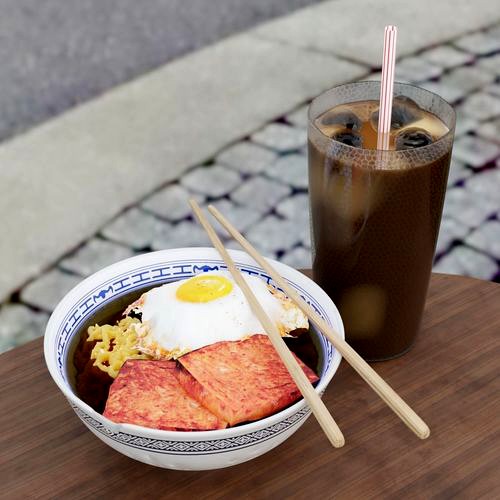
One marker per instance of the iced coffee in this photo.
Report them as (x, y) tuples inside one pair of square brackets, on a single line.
[(376, 214)]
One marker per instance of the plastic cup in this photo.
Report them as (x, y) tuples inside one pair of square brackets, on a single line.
[(375, 219)]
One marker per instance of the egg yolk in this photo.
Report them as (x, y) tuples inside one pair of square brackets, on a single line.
[(204, 288)]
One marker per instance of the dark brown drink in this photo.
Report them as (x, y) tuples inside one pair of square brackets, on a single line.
[(376, 215)]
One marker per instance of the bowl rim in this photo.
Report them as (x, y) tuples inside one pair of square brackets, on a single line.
[(241, 258)]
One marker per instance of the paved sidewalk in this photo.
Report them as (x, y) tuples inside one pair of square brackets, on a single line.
[(259, 180), (85, 167)]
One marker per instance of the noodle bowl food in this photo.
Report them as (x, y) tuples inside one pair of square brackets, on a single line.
[(178, 372)]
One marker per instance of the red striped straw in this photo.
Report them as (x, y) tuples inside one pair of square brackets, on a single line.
[(387, 87)]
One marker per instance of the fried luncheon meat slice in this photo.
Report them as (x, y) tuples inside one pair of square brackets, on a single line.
[(148, 393), (240, 381)]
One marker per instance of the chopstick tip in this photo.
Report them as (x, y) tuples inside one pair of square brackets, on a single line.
[(425, 433), (339, 442), (193, 203)]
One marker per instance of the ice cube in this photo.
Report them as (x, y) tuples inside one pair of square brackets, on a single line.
[(349, 137), (404, 112), (346, 119), (412, 138)]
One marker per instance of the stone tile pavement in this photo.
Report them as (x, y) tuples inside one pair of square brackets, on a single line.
[(102, 157), (260, 183)]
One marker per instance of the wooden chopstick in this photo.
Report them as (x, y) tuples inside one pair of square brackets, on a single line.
[(317, 406), (367, 373)]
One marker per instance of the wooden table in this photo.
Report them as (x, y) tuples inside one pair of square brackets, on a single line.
[(451, 377)]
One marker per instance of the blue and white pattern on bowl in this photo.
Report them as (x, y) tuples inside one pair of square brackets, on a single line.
[(206, 447), (173, 449)]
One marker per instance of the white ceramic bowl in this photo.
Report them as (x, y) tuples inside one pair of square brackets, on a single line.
[(174, 449)]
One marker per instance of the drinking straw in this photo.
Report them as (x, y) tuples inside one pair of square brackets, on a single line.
[(387, 87)]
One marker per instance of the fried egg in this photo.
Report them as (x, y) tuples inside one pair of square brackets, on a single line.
[(179, 317)]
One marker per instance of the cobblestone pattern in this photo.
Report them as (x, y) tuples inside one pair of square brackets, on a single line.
[(260, 184)]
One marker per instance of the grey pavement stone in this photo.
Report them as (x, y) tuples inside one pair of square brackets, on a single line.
[(232, 245), (298, 117), (490, 130), (295, 208), (247, 157), (479, 43), (88, 165), (183, 234), (494, 30), (134, 228), (280, 137), (490, 63), (377, 76), (464, 125), (447, 56), (355, 29), (19, 324), (493, 89), (466, 261), (272, 235), (260, 194), (305, 235), (485, 186), (449, 231), (467, 208), (172, 202), (475, 151), (298, 257), (486, 238), (447, 91), (213, 180), (448, 264), (458, 172), (95, 255), (416, 69), (290, 169), (467, 79), (481, 106), (240, 217), (46, 291)]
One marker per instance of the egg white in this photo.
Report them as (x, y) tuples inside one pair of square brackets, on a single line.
[(171, 327)]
